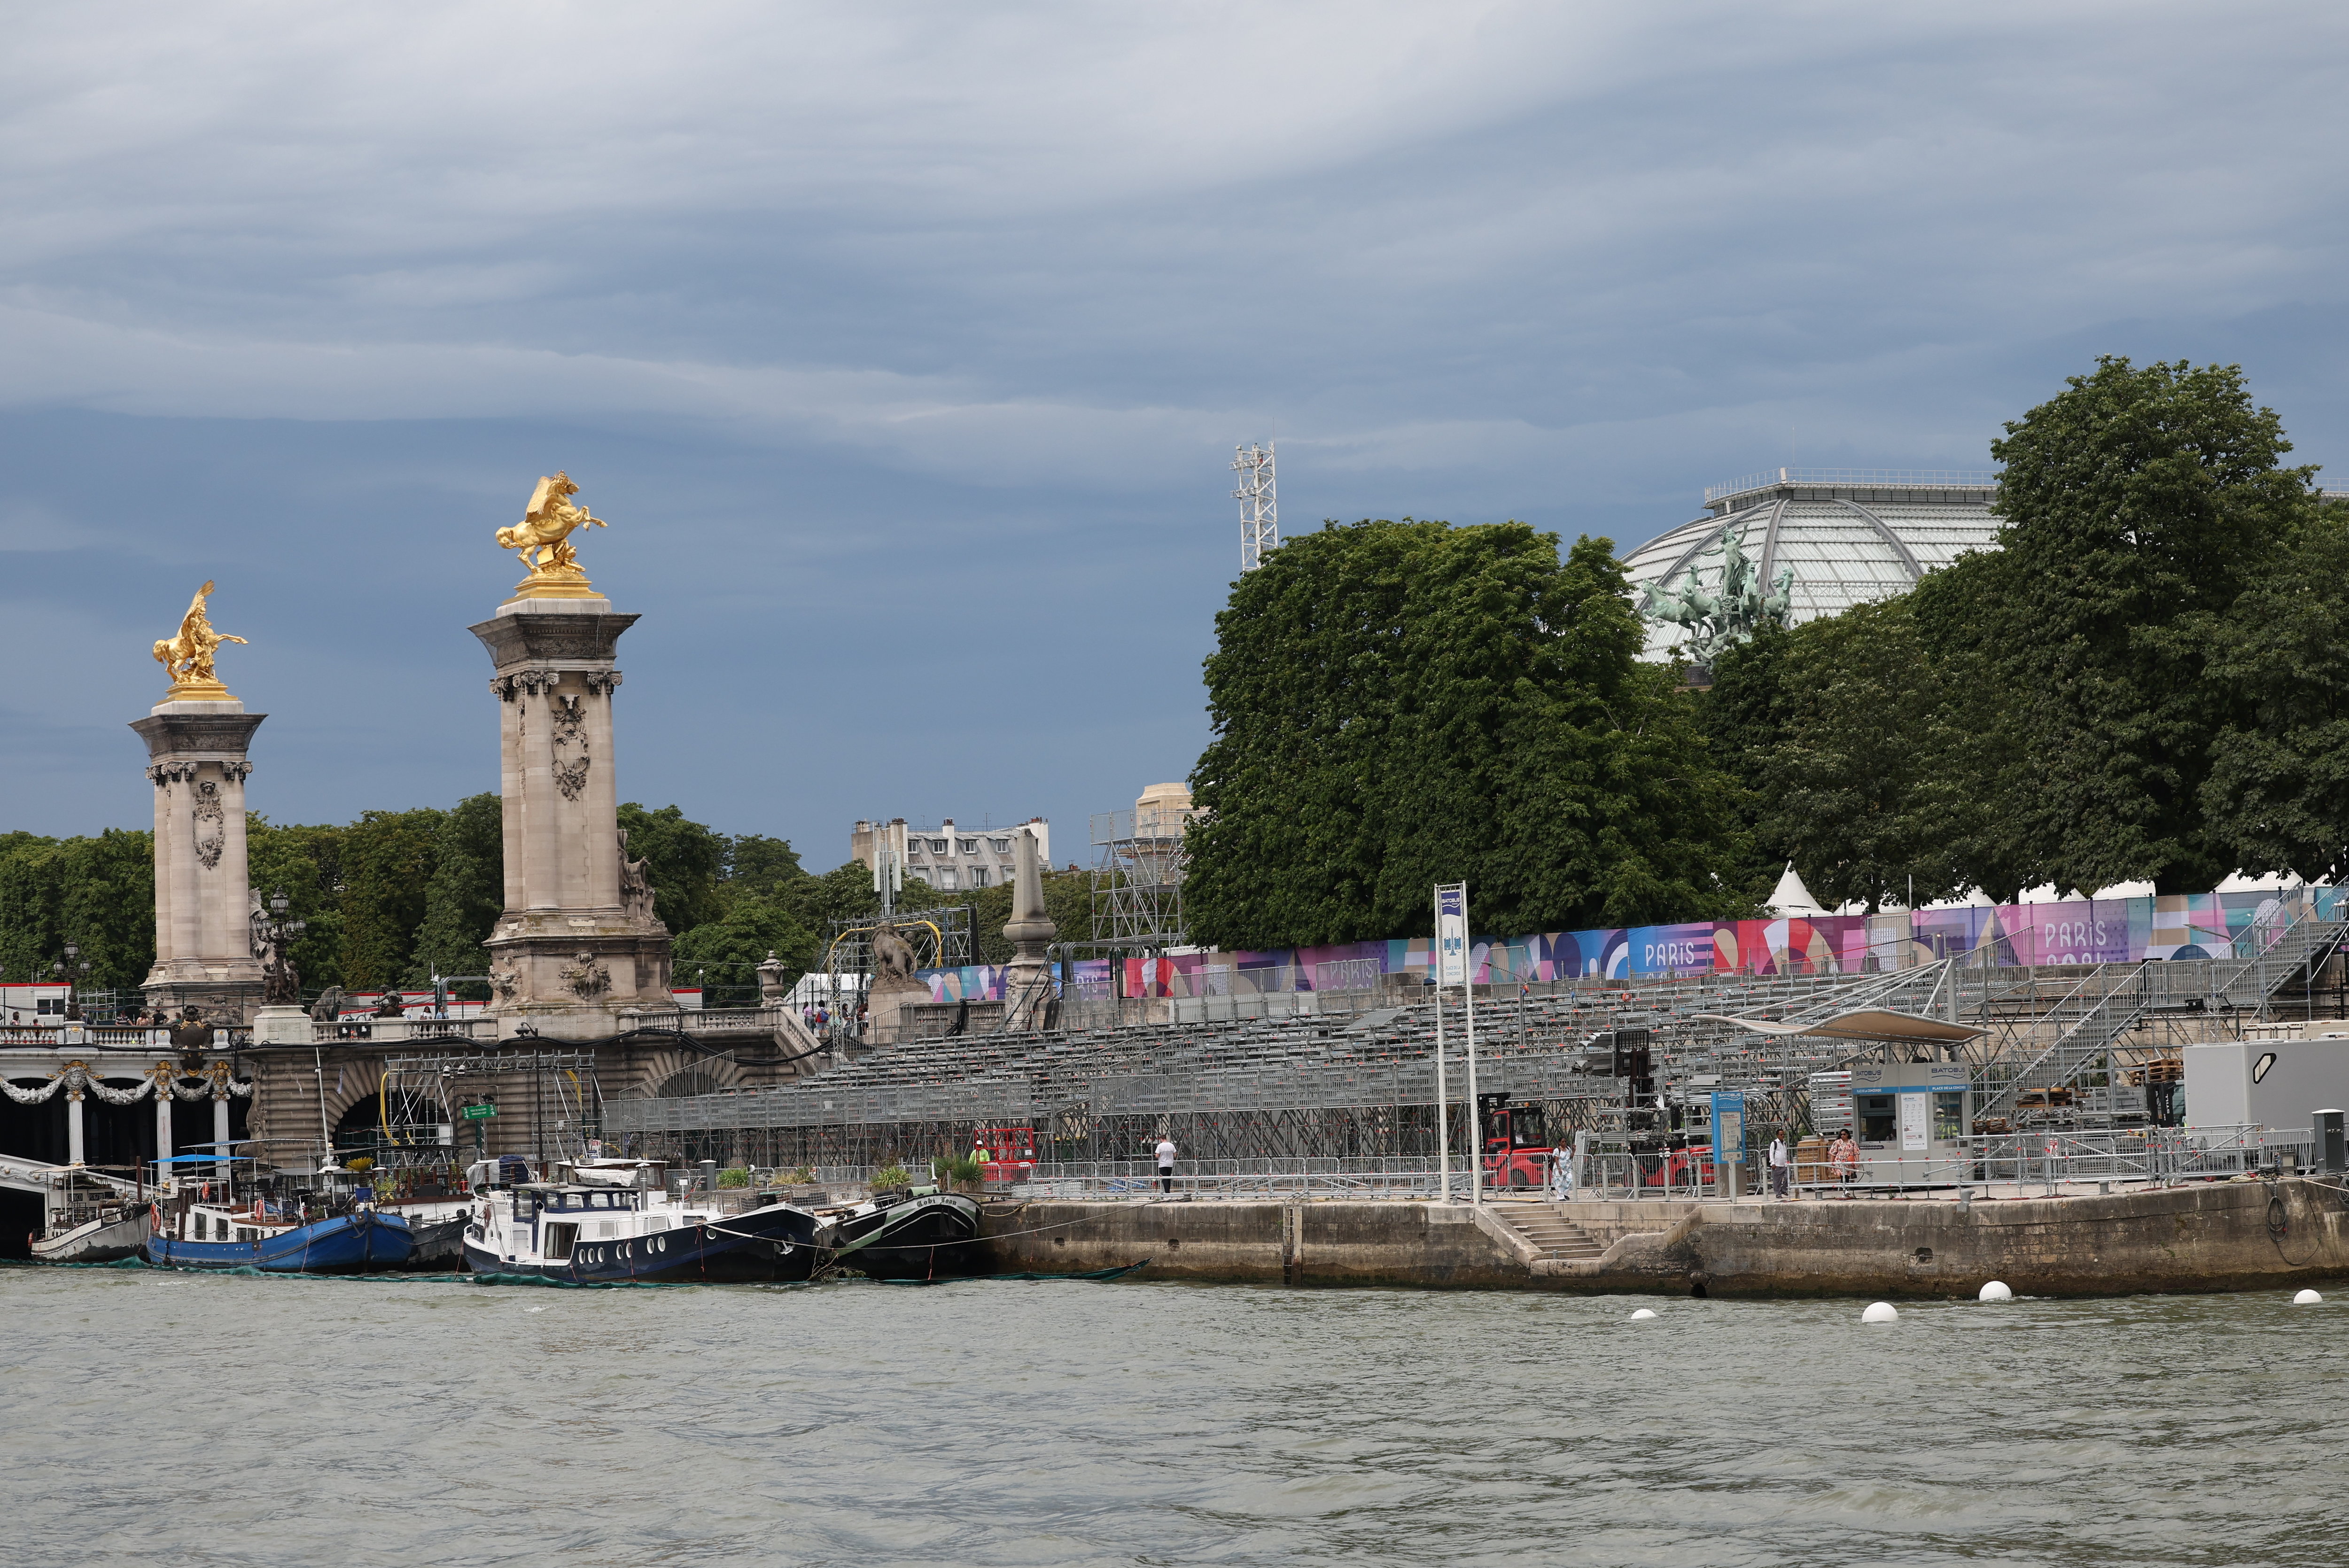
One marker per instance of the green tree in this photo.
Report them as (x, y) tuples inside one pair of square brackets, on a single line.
[(683, 860), (1401, 704), (466, 895), (305, 863), (1846, 784), (2140, 505), (730, 948), (98, 893), (2277, 796), (758, 865), (387, 863)]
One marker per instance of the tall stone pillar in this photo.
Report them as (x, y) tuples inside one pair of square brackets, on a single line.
[(196, 741), (578, 946), (1027, 978)]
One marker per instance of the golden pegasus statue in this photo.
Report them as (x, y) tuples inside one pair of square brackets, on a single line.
[(188, 657), (542, 540)]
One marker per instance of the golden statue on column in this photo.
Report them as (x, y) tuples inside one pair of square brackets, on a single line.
[(542, 539), (188, 657)]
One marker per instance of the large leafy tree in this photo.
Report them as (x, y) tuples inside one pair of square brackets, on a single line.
[(305, 863), (2277, 794), (466, 895), (683, 860), (98, 893), (1398, 703), (2140, 505), (387, 863), (1844, 780)]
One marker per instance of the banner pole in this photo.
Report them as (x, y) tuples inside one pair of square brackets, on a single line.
[(1442, 1101), (1476, 1107)]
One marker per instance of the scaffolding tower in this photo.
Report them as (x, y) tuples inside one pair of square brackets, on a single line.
[(1137, 881), (1260, 501)]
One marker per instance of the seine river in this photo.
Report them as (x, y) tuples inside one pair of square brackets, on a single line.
[(188, 1420)]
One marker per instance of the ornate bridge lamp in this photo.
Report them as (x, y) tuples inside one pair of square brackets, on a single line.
[(73, 977), (280, 982)]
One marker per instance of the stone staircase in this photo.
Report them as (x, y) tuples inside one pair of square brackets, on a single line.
[(1548, 1230)]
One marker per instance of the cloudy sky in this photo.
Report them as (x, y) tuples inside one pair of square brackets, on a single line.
[(904, 346)]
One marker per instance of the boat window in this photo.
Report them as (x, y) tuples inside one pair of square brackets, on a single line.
[(558, 1242)]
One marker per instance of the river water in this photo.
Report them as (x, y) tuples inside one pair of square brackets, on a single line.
[(161, 1418)]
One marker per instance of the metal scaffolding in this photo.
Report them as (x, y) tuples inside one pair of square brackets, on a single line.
[(545, 1100), (1137, 880), (1260, 501)]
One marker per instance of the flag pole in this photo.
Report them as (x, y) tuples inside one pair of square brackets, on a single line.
[(1443, 1103)]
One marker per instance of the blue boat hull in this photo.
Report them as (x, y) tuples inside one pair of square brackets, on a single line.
[(347, 1243)]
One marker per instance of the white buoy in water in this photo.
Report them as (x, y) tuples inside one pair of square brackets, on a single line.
[(1643, 1312), (2307, 1298), (1880, 1312), (1996, 1290)]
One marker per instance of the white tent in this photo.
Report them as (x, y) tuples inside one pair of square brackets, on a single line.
[(1791, 897)]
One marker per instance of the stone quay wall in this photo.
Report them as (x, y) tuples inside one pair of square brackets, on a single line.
[(2231, 1236)]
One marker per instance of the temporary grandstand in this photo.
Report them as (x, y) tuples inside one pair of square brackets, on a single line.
[(1361, 1085)]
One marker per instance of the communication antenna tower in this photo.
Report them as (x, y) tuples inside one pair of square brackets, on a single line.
[(1259, 500)]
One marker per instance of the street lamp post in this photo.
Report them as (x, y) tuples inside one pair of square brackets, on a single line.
[(73, 977)]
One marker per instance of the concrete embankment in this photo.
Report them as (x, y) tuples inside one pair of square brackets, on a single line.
[(2232, 1235)]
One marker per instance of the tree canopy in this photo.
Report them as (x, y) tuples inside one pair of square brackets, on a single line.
[(2146, 681), (1400, 703)]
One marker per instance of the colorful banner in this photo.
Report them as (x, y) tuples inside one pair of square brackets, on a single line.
[(2078, 931)]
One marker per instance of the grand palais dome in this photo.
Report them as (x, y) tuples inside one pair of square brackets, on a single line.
[(1802, 543)]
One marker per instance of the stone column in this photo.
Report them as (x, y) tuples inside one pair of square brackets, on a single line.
[(72, 1125), (203, 933), (575, 949), (164, 1147), (1027, 978), (220, 1129)]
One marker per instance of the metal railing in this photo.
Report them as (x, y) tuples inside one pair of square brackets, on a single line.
[(2112, 1000), (400, 1030), (1872, 478)]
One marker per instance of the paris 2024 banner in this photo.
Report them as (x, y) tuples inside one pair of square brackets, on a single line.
[(2077, 930)]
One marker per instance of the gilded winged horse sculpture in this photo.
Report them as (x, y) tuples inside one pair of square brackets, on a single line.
[(188, 657), (542, 537)]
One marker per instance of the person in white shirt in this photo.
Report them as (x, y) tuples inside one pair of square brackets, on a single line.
[(1165, 1164), (1778, 1169), (1561, 1174)]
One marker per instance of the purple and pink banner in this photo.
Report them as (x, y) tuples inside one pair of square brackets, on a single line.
[(2078, 931)]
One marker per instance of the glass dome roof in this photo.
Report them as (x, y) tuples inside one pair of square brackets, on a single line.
[(1846, 535)]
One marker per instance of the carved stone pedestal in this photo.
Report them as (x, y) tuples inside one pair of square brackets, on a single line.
[(578, 947), (203, 934)]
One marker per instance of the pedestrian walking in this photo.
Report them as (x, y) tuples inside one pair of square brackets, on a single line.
[(1165, 1163), (1843, 1159), (1561, 1174), (1779, 1173)]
